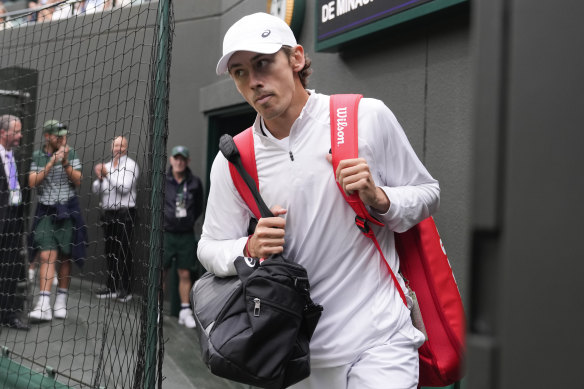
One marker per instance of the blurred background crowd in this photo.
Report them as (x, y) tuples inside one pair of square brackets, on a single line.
[(17, 12)]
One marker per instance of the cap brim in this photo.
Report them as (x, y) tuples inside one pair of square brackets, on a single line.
[(181, 154), (264, 48), (57, 133)]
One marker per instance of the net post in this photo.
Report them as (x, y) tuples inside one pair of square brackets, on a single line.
[(160, 101)]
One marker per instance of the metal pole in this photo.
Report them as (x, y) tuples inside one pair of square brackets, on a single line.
[(156, 199)]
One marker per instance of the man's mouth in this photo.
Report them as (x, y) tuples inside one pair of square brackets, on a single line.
[(263, 98)]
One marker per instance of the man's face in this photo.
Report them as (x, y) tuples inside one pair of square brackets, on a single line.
[(13, 135), (119, 147), (179, 163), (56, 141), (266, 81)]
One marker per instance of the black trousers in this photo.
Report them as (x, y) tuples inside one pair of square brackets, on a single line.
[(118, 227), (11, 261)]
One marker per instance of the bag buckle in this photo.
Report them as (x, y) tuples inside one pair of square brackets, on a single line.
[(302, 282), (362, 224)]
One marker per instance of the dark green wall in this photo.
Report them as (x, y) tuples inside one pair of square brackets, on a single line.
[(526, 285)]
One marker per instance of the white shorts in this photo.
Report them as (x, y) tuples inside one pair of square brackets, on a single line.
[(392, 365)]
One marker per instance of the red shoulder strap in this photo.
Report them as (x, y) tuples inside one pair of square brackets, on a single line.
[(244, 143), (344, 145)]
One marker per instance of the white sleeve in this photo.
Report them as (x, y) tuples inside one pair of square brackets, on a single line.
[(123, 177), (413, 193), (226, 220), (96, 186)]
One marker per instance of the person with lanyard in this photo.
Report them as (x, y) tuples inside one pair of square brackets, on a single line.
[(59, 233), (11, 222), (183, 204), (365, 337), (116, 184)]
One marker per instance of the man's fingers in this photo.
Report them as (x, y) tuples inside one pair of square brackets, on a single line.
[(277, 210), (269, 243), (357, 181), (265, 252), (266, 241), (272, 223), (268, 238), (348, 167), (270, 231)]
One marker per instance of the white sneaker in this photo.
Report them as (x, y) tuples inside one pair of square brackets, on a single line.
[(60, 307), (42, 311), (185, 318)]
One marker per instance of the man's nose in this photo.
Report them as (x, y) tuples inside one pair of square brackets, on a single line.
[(255, 80)]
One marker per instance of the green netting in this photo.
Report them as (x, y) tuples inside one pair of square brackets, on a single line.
[(103, 73)]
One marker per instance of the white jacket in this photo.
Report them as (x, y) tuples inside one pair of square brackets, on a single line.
[(361, 305)]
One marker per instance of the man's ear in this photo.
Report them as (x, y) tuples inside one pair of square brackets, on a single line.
[(298, 61)]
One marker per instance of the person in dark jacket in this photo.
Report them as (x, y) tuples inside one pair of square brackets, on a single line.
[(183, 204), (11, 223)]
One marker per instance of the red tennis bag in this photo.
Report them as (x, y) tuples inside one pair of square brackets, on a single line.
[(423, 260), (423, 263)]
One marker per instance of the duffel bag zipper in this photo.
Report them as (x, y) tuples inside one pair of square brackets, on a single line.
[(256, 308), (257, 302)]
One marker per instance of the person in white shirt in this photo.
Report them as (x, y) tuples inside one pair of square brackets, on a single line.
[(365, 337), (116, 185)]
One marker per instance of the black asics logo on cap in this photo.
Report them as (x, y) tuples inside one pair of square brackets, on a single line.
[(266, 33)]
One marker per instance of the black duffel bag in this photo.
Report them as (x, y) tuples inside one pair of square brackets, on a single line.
[(255, 327)]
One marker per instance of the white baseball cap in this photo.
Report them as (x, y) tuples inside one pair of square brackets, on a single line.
[(259, 33)]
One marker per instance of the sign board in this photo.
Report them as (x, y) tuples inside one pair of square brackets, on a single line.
[(339, 21)]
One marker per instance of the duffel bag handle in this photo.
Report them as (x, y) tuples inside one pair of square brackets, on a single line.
[(245, 267)]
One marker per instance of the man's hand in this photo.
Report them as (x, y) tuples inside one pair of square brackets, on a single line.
[(354, 175), (61, 154), (268, 237), (98, 169), (65, 160)]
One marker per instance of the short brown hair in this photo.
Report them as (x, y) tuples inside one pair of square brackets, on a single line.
[(305, 72)]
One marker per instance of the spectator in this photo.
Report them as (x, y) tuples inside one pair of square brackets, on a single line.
[(44, 14), (59, 233), (183, 204), (11, 222), (62, 10), (116, 184), (32, 5), (4, 24), (93, 6)]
